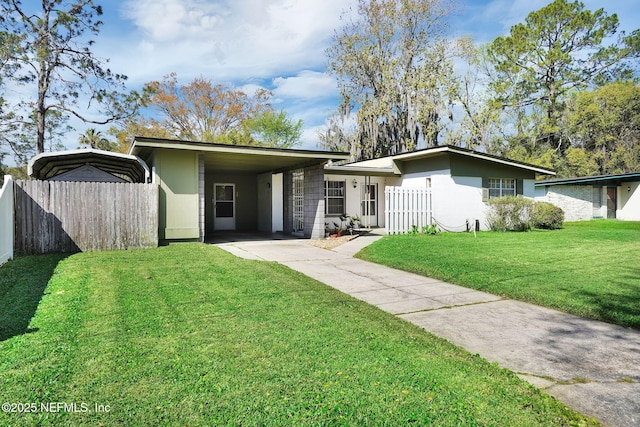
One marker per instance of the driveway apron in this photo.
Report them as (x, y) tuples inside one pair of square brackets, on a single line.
[(591, 366)]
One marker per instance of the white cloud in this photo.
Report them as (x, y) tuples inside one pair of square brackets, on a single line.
[(251, 88), (309, 138), (229, 39), (306, 84)]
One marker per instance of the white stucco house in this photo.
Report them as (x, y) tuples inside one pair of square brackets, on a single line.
[(584, 198), (451, 187)]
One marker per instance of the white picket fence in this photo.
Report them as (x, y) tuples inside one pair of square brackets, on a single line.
[(406, 208)]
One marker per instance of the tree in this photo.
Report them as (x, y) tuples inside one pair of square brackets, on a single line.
[(9, 122), (94, 139), (558, 50), (392, 67), (605, 123), (337, 137), (478, 128), (202, 110), (53, 53), (134, 126), (272, 129)]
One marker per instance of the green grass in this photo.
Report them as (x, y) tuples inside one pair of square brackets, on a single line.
[(190, 335), (589, 268)]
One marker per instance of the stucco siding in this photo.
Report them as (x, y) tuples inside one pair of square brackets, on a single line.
[(529, 188), (455, 200), (177, 174), (629, 201), (264, 202)]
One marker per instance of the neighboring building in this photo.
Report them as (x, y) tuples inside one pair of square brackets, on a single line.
[(459, 181), (605, 196), (88, 165)]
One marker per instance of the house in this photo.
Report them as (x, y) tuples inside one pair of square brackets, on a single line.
[(207, 188), (459, 183), (88, 165), (604, 196)]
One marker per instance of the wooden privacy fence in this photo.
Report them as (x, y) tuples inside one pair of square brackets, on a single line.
[(406, 208), (65, 216)]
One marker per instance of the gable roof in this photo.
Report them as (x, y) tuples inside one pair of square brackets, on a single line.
[(47, 165), (588, 180), (234, 158), (390, 161)]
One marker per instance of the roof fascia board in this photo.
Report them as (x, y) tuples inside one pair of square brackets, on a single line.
[(361, 170), (586, 180), (240, 149)]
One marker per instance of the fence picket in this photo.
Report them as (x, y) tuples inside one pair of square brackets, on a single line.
[(59, 216), (406, 208)]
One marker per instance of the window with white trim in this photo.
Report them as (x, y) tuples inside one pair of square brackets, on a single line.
[(499, 187), (334, 196)]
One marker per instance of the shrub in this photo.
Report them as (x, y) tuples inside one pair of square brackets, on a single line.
[(510, 213), (546, 215)]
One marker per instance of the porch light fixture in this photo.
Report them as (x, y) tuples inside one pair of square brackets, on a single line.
[(355, 183), (628, 188)]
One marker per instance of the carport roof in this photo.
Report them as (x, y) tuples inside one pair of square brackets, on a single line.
[(47, 165), (239, 158)]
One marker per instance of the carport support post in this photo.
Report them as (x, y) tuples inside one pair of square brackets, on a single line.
[(314, 201)]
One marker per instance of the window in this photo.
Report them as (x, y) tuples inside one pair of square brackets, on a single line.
[(499, 187), (334, 197)]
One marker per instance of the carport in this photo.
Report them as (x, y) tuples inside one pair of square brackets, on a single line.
[(207, 188)]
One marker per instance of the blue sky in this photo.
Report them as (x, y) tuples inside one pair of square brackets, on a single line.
[(275, 44)]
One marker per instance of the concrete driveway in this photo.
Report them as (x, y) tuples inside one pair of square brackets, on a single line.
[(591, 366)]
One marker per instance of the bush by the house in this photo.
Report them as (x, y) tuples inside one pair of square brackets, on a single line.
[(548, 216), (510, 213)]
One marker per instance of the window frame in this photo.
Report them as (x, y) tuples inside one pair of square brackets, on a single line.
[(501, 188), (328, 197)]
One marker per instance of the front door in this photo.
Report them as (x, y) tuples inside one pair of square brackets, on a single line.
[(369, 205), (612, 202), (224, 217)]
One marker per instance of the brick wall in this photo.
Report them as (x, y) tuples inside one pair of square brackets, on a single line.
[(575, 200), (314, 202)]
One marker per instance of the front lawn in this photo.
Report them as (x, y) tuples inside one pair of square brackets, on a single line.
[(191, 335), (588, 268)]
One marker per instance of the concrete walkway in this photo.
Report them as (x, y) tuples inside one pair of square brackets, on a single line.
[(591, 366)]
